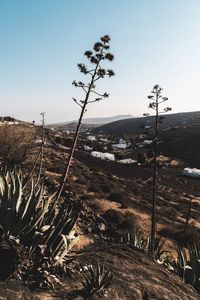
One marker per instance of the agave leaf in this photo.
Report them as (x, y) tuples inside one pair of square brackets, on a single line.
[(87, 282), (5, 209), (42, 213), (4, 193), (189, 276), (56, 243), (187, 267), (31, 213), (92, 276), (68, 247), (39, 195), (109, 279), (45, 228), (64, 226), (99, 274), (71, 234), (17, 196), (182, 257), (12, 185), (65, 240), (28, 201), (56, 246), (73, 242)]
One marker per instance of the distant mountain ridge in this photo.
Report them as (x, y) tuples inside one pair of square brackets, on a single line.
[(93, 122), (105, 120)]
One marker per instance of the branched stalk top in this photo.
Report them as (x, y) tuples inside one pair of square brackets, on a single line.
[(96, 57), (157, 99)]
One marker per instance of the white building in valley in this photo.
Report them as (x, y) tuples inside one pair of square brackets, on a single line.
[(121, 145), (191, 172), (104, 156)]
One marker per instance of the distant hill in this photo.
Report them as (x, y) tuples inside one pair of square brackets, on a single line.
[(137, 125), (89, 122), (11, 121), (106, 120)]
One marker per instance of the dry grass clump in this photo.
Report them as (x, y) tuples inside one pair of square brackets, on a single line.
[(181, 234), (122, 220), (100, 206), (16, 142)]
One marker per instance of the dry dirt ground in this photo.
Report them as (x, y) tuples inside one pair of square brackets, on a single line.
[(117, 199), (136, 277)]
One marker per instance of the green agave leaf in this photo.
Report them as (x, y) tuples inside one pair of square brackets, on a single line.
[(65, 240), (28, 201), (187, 267), (41, 214), (45, 228), (17, 196), (4, 192)]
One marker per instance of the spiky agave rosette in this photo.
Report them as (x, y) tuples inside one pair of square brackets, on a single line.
[(32, 227)]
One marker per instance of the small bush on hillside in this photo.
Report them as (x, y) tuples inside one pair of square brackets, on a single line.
[(171, 211), (113, 216), (105, 188), (16, 142), (93, 189), (122, 221), (117, 197), (64, 141), (181, 234)]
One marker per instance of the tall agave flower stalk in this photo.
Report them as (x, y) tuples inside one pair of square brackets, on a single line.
[(42, 147), (96, 57), (156, 100), (40, 154)]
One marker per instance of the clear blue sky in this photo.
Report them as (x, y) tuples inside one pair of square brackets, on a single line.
[(41, 41)]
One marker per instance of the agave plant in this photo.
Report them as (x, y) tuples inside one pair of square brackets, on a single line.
[(159, 253), (97, 279), (27, 214), (136, 239), (187, 264)]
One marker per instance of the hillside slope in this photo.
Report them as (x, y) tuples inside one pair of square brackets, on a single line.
[(135, 277), (136, 125), (113, 199), (88, 122)]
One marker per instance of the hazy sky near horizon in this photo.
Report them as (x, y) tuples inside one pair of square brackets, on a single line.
[(154, 41)]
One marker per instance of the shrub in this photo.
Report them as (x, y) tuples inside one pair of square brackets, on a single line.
[(181, 234), (122, 221), (105, 188), (16, 142), (113, 216), (117, 197)]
